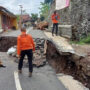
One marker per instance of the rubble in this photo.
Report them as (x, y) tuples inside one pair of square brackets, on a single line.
[(42, 25), (39, 57)]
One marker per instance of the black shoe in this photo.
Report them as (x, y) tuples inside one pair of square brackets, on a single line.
[(30, 74), (19, 71)]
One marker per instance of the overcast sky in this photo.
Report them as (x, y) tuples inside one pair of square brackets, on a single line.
[(31, 6)]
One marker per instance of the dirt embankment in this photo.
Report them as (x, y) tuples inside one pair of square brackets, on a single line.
[(78, 67), (6, 43)]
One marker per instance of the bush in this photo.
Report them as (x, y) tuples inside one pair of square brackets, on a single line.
[(85, 40)]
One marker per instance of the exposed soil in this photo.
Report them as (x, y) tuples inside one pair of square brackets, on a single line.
[(61, 63), (65, 64), (82, 49), (6, 43), (39, 57)]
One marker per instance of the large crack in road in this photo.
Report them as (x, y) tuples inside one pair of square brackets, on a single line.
[(61, 64), (44, 77), (68, 64), (39, 57)]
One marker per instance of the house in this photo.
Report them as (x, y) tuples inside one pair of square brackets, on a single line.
[(26, 20), (7, 19)]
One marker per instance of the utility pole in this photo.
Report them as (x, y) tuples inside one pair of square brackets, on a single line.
[(21, 15)]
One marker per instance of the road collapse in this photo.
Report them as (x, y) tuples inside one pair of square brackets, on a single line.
[(75, 65), (46, 52), (39, 57), (8, 44)]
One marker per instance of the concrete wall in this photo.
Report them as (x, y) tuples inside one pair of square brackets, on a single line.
[(64, 23), (88, 9), (79, 17), (76, 15)]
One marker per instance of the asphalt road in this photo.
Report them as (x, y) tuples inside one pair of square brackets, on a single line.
[(7, 81), (43, 78), (34, 33)]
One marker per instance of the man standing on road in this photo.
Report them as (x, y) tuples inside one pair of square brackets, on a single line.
[(55, 18), (25, 46)]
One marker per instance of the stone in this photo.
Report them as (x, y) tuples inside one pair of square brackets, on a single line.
[(39, 58), (80, 23)]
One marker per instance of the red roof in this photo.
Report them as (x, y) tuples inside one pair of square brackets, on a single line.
[(26, 17)]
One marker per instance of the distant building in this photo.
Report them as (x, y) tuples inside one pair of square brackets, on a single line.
[(26, 20), (7, 19)]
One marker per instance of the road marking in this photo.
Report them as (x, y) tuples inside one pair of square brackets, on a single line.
[(17, 81)]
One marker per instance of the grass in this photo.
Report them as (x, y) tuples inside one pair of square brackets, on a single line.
[(82, 41)]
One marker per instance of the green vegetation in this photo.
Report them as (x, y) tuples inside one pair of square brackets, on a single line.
[(18, 17), (44, 10), (42, 18), (48, 1), (34, 17), (82, 41)]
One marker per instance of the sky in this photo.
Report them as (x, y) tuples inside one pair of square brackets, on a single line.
[(30, 6)]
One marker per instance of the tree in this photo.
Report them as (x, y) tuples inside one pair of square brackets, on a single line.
[(42, 17), (44, 10), (48, 1), (34, 17)]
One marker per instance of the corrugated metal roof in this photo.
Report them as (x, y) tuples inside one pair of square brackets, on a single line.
[(6, 11)]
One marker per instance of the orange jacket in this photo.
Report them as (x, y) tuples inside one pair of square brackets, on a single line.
[(24, 42), (55, 18)]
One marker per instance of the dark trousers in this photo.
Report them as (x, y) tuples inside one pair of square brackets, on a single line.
[(55, 26), (29, 54)]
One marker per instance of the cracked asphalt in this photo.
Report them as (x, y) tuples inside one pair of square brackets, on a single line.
[(43, 78)]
